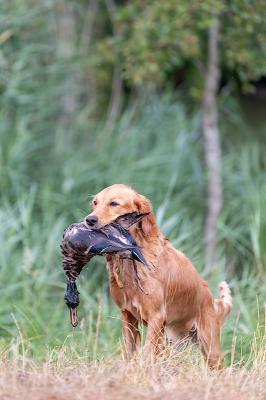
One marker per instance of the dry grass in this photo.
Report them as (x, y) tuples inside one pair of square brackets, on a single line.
[(175, 375)]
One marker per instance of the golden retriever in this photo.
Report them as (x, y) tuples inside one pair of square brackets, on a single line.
[(175, 300)]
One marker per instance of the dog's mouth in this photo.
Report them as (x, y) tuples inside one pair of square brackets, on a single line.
[(125, 220), (96, 226)]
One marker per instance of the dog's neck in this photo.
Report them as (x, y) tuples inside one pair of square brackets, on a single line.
[(151, 241), (147, 232)]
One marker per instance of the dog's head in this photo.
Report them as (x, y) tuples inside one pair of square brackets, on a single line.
[(117, 200)]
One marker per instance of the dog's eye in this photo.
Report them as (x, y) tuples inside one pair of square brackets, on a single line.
[(114, 204), (94, 202)]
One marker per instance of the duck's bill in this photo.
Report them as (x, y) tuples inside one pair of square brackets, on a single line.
[(74, 316)]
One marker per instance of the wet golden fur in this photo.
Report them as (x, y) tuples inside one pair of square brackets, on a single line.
[(176, 298)]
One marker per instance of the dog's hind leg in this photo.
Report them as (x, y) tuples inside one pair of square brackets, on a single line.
[(209, 326), (209, 339)]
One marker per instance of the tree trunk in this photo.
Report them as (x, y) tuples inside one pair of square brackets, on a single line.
[(212, 145)]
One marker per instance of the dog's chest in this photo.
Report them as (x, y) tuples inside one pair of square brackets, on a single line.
[(124, 287)]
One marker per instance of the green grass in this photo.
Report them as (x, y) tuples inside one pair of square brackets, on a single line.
[(49, 170), (46, 182)]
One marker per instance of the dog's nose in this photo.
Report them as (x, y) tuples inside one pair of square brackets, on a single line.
[(91, 220)]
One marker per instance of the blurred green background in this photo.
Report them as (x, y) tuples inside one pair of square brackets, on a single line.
[(95, 92)]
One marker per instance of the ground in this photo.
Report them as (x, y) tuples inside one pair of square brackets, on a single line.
[(179, 375)]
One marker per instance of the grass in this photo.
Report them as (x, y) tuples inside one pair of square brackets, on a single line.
[(46, 182), (48, 172), (175, 374), (42, 195)]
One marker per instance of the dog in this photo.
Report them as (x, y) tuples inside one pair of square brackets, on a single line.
[(174, 299)]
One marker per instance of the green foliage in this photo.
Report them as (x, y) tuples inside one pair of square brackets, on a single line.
[(48, 166), (244, 38), (157, 149), (155, 38)]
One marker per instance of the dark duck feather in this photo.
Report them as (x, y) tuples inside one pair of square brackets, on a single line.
[(80, 243)]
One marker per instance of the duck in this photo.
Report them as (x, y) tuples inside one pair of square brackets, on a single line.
[(81, 243)]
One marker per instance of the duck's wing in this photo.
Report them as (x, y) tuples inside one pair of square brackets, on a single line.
[(109, 244), (138, 256), (119, 240)]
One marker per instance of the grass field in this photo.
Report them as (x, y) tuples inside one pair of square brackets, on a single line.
[(46, 181), (175, 375)]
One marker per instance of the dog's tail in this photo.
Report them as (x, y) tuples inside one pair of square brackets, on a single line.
[(224, 304)]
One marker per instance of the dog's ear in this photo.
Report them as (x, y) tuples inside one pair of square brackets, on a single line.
[(143, 206)]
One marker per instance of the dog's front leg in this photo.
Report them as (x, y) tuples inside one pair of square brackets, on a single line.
[(130, 331), (155, 333)]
